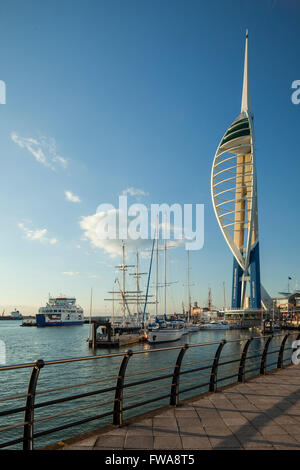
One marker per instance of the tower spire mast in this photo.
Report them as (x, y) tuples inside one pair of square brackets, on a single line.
[(246, 100), (235, 162)]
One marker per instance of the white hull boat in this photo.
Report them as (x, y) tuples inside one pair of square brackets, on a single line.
[(215, 325), (191, 328), (164, 335)]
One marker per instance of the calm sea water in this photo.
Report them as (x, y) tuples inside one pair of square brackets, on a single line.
[(28, 344)]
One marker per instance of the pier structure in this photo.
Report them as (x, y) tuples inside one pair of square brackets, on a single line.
[(234, 198), (114, 336)]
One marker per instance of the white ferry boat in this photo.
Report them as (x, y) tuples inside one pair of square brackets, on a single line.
[(60, 311)]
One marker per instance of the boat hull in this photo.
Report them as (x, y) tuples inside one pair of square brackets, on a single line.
[(215, 327), (41, 321), (163, 335), (192, 328)]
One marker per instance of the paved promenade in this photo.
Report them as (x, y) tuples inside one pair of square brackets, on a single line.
[(261, 414)]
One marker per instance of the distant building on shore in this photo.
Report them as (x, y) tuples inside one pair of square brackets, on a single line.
[(288, 306), (204, 313)]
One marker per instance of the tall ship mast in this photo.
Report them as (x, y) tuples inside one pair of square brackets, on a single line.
[(139, 297), (126, 297)]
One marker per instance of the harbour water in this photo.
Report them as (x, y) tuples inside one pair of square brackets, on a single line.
[(28, 344)]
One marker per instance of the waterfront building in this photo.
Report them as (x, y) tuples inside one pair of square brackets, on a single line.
[(288, 307)]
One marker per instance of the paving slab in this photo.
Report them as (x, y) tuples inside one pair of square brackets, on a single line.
[(228, 443), (263, 414), (139, 442), (167, 442), (110, 442), (196, 442)]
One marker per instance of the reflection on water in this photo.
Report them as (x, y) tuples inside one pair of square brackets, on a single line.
[(29, 344)]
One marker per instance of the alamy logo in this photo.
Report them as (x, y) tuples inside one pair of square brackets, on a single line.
[(296, 94), (2, 352), (183, 224), (296, 352), (2, 92)]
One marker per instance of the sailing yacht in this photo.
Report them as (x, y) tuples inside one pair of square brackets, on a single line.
[(163, 331)]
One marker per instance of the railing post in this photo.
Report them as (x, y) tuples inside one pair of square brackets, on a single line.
[(118, 404), (281, 351), (263, 363), (241, 375), (174, 398), (214, 369), (29, 412)]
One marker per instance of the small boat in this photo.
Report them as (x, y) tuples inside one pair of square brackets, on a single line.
[(268, 327), (191, 327), (216, 325), (163, 333), (176, 323), (169, 329), (29, 322)]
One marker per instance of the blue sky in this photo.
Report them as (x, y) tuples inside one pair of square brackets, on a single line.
[(118, 94)]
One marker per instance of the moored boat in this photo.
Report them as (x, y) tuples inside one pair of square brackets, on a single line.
[(60, 311), (164, 333), (191, 327), (29, 322), (216, 325)]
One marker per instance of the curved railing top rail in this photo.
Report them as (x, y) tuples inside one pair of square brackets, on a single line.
[(142, 351)]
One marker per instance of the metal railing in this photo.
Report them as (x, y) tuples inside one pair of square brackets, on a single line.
[(173, 375)]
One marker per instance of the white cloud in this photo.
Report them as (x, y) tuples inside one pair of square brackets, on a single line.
[(89, 225), (38, 234), (61, 160), (71, 197), (43, 150), (71, 273), (134, 192)]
